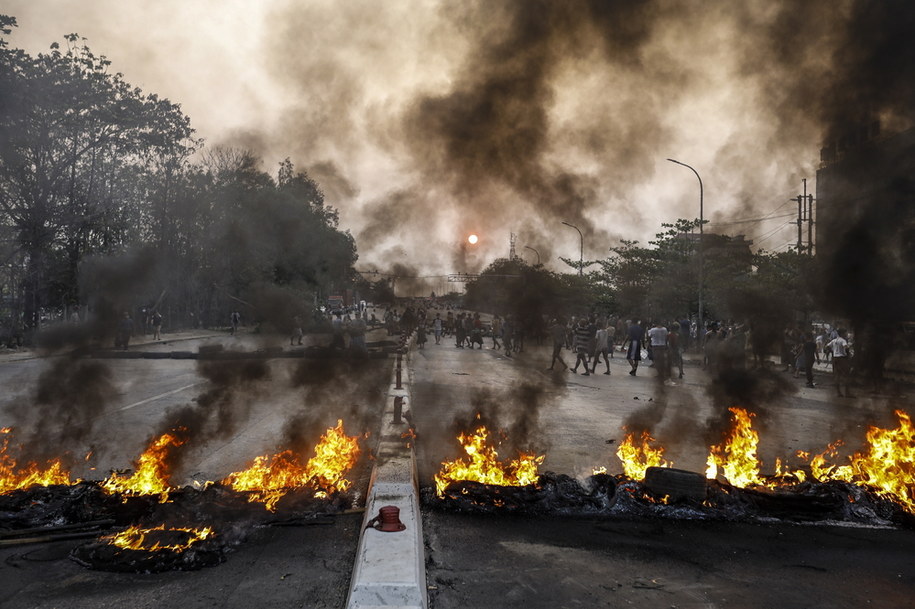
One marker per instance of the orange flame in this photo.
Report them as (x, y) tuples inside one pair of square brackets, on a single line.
[(151, 474), (14, 477), (482, 465), (269, 478), (736, 456), (887, 465), (638, 458), (135, 538)]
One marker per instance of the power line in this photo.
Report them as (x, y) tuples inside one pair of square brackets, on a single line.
[(761, 238), (766, 217), (748, 220)]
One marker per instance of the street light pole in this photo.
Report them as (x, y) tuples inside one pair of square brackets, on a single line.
[(581, 249), (536, 252), (701, 329)]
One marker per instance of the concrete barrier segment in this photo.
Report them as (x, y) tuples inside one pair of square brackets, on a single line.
[(389, 570)]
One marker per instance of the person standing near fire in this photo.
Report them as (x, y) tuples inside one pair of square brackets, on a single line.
[(675, 347), (657, 337), (841, 361)]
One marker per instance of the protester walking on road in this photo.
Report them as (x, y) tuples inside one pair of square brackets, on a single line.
[(437, 328), (235, 319), (496, 332), (558, 333), (636, 335), (582, 338), (421, 335), (508, 333), (601, 338), (476, 331)]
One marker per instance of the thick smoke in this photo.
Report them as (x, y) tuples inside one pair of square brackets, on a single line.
[(58, 417), (512, 416), (217, 413), (332, 389)]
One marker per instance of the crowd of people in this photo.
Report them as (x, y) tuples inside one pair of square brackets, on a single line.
[(594, 341)]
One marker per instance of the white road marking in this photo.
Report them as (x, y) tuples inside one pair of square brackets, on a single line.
[(161, 395)]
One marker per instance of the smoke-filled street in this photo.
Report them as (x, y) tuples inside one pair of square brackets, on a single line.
[(228, 411), (623, 560), (428, 304)]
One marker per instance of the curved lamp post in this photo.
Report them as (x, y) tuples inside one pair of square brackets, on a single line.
[(581, 250), (536, 252), (701, 330)]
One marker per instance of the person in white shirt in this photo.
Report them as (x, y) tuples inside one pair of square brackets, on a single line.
[(841, 361), (657, 336)]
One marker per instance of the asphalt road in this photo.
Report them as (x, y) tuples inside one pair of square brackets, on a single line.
[(496, 560), (307, 564), (618, 561), (491, 561)]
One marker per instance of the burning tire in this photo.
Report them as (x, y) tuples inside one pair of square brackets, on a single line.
[(676, 484), (153, 550)]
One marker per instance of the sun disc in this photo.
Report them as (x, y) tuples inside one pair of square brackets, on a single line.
[(472, 239)]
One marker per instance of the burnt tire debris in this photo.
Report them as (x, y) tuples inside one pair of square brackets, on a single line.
[(85, 509), (606, 495)]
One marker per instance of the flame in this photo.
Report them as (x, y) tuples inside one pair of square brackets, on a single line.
[(887, 464), (409, 436), (135, 538), (638, 458), (268, 478), (596, 471), (736, 456), (151, 474), (482, 465), (14, 477), (784, 475)]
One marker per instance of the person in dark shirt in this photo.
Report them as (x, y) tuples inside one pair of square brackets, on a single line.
[(636, 335), (809, 347)]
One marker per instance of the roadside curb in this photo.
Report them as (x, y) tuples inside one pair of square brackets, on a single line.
[(389, 569)]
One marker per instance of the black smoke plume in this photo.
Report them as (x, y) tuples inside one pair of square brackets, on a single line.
[(219, 410), (59, 415), (349, 389)]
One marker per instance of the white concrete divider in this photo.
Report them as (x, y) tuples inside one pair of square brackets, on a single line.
[(390, 566)]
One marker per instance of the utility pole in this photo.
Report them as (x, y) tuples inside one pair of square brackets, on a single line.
[(809, 200), (805, 214)]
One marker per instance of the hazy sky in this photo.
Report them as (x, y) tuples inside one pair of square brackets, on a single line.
[(427, 120)]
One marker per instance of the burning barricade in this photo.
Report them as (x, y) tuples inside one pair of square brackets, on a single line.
[(876, 485), (163, 526)]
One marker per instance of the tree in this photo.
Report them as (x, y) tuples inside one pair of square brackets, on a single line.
[(657, 281), (73, 140)]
